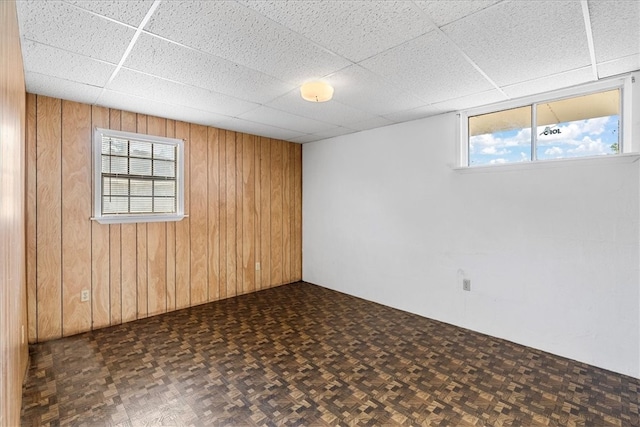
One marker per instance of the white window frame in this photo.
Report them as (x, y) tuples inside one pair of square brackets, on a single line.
[(129, 217), (625, 137)]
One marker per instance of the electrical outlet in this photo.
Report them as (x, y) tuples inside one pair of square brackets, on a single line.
[(257, 266), (84, 295), (466, 284)]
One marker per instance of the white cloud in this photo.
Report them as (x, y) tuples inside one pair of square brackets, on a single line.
[(571, 133), (590, 146), (493, 150), (522, 137), (498, 161), (553, 151)]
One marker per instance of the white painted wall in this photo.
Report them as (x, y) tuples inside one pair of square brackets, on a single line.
[(552, 250)]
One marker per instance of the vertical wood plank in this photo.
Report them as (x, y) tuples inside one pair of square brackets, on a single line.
[(115, 247), (141, 247), (157, 244), (298, 213), (183, 228), (257, 244), (286, 212), (31, 240), (265, 208), (231, 212), (239, 215), (14, 352), (100, 293), (129, 247), (48, 218), (76, 225), (171, 242), (198, 215), (276, 213), (248, 213), (248, 210), (292, 209), (213, 205), (222, 211)]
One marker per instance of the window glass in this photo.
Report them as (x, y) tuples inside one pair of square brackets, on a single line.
[(500, 137), (138, 177), (581, 126)]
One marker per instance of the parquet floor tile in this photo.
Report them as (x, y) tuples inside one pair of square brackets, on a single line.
[(303, 355)]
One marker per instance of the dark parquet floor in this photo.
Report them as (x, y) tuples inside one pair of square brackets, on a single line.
[(303, 355)]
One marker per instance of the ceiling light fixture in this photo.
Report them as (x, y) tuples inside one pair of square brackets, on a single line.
[(316, 91)]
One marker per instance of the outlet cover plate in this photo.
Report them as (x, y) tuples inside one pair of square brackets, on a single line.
[(466, 284)]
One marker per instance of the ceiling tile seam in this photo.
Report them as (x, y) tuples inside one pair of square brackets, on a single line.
[(474, 12), (211, 55), (620, 58), (319, 121), (133, 41), (115, 21), (409, 40), (70, 51), (257, 105), (168, 104), (66, 80), (507, 87), (278, 127), (316, 44), (589, 32), (461, 52)]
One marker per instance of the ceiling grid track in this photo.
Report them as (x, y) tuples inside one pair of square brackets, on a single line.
[(588, 30), (463, 54), (134, 39)]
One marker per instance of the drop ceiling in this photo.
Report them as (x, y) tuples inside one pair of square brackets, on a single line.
[(238, 65)]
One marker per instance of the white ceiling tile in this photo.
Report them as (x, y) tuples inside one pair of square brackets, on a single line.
[(549, 83), (304, 139), (616, 30), (140, 105), (43, 59), (230, 59), (470, 101), (358, 30), (445, 12), (55, 87), (619, 66), (364, 90), (428, 68), (63, 26), (253, 128), (234, 32), (285, 120), (130, 12), (160, 90), (322, 135), (375, 122), (165, 59), (332, 111), (518, 41), (413, 114)]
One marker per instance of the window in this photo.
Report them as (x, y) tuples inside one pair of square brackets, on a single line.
[(578, 124), (138, 178)]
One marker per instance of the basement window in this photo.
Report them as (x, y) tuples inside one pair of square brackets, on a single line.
[(138, 178), (575, 123)]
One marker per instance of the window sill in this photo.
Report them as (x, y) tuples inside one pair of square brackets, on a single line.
[(132, 219), (548, 164)]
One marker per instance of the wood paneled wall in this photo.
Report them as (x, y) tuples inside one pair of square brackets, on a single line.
[(243, 195), (13, 313)]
